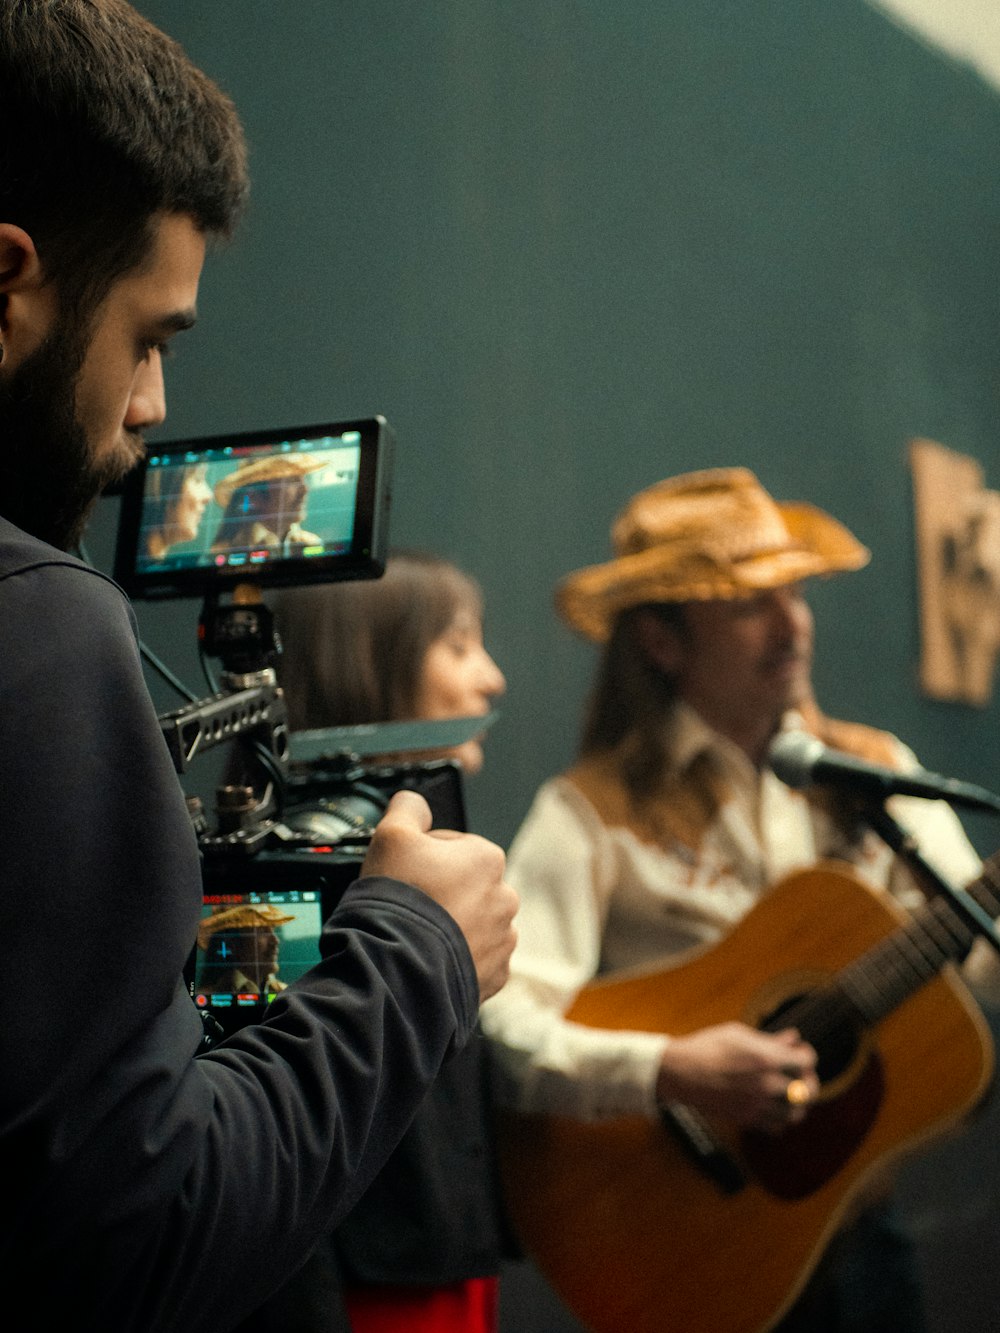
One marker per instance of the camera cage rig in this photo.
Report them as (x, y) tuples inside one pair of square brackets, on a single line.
[(345, 471), (290, 826), (327, 777), (249, 709)]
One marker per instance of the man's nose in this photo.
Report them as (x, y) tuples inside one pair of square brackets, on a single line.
[(148, 402), (790, 613)]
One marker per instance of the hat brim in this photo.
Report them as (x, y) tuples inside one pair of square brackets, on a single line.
[(265, 470), (240, 918), (590, 599)]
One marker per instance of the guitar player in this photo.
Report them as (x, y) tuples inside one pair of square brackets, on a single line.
[(670, 826)]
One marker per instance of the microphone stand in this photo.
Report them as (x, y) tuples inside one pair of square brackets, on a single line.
[(905, 847)]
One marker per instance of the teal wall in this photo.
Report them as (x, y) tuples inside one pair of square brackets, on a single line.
[(570, 248)]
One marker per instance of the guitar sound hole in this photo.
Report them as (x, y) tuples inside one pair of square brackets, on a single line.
[(834, 1037)]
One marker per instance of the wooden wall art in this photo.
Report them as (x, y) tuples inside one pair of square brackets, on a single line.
[(958, 567)]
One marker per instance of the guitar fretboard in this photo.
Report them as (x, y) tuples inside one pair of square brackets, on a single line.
[(881, 979)]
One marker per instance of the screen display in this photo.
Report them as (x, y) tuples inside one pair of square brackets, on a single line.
[(279, 507), (250, 946)]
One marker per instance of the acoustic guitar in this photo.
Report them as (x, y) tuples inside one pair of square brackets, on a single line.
[(698, 1227)]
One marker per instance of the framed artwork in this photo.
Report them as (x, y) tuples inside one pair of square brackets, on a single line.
[(957, 524)]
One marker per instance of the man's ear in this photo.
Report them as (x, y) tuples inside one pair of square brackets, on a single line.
[(19, 262), (661, 642), (28, 304)]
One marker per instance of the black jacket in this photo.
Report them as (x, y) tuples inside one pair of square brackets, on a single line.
[(145, 1189)]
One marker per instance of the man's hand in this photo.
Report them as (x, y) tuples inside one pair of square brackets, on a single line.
[(460, 871), (761, 1080)]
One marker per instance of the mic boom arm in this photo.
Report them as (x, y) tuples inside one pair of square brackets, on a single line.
[(801, 760), (905, 847)]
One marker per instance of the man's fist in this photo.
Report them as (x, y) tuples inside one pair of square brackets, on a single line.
[(463, 873)]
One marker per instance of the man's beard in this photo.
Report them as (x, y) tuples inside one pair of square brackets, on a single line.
[(48, 482)]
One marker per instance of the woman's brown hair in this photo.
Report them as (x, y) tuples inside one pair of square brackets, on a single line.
[(353, 652)]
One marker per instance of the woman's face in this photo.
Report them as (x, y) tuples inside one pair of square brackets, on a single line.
[(190, 508), (460, 679)]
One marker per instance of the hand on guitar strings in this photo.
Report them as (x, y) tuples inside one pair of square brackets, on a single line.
[(758, 1080)]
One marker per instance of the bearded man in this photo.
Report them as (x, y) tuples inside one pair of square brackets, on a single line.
[(146, 1189)]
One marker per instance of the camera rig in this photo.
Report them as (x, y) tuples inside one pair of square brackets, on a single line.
[(288, 829), (305, 801)]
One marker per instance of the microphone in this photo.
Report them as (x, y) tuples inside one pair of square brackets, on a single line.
[(800, 760)]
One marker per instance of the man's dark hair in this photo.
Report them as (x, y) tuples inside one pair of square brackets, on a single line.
[(104, 123)]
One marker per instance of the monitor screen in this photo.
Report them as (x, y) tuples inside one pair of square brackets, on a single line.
[(278, 507), (250, 946)]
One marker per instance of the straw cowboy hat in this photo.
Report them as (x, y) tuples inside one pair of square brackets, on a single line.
[(274, 468), (703, 536), (244, 917)]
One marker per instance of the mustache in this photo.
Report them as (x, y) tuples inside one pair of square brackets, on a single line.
[(108, 475), (786, 653)]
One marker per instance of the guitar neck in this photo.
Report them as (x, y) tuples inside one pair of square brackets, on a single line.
[(881, 979)]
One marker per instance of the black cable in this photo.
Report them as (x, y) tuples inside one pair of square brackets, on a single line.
[(206, 671), (270, 765), (163, 670)]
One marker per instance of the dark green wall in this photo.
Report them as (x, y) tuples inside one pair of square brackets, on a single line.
[(569, 248)]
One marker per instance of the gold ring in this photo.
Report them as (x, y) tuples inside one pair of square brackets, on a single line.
[(797, 1092)]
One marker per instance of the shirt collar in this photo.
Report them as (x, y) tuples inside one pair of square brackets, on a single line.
[(691, 736)]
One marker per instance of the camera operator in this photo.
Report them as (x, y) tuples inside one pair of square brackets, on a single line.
[(145, 1189)]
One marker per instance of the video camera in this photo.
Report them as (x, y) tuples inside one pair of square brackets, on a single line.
[(226, 518)]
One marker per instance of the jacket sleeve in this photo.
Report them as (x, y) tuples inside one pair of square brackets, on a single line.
[(148, 1189)]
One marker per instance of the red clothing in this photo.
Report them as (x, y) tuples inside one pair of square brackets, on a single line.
[(465, 1307)]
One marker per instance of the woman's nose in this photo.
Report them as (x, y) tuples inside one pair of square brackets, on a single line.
[(493, 681)]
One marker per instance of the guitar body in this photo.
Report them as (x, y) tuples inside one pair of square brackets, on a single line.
[(633, 1234)]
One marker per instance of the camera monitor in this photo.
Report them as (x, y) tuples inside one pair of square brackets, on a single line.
[(250, 946), (262, 915), (303, 504)]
